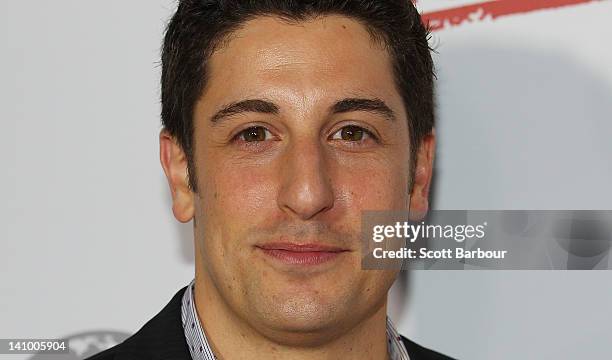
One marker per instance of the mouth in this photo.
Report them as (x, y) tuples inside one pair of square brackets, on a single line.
[(301, 254)]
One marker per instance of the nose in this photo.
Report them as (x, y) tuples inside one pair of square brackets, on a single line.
[(306, 189)]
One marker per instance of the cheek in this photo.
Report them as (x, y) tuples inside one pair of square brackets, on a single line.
[(379, 186), (239, 194), (233, 199)]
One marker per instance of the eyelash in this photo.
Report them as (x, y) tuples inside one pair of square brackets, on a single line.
[(242, 133), (366, 132)]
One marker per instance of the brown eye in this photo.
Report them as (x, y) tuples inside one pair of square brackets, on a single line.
[(255, 133), (351, 133)]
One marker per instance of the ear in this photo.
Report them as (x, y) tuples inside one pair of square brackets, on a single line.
[(174, 162), (419, 197)]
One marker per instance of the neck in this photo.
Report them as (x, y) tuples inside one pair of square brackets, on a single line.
[(232, 338)]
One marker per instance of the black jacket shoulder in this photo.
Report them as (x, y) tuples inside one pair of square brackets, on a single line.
[(417, 352), (160, 338)]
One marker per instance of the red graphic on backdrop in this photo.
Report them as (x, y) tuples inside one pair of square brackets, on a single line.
[(439, 20)]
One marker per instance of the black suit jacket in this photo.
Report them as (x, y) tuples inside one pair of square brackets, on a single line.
[(162, 338)]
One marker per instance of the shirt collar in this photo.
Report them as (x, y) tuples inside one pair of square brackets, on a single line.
[(200, 348)]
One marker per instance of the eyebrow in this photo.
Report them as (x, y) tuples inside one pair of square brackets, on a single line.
[(374, 105), (251, 105)]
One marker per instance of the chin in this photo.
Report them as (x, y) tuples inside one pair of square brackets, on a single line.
[(298, 331), (304, 320)]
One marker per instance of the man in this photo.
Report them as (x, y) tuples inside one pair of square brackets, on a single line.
[(283, 121)]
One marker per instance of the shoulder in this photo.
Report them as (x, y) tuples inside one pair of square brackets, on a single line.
[(113, 353), (120, 352), (417, 352), (162, 337)]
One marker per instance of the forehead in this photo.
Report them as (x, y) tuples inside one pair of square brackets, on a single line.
[(323, 57)]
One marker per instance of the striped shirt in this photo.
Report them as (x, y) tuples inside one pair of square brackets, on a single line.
[(200, 348)]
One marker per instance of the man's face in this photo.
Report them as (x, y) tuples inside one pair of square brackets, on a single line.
[(299, 129)]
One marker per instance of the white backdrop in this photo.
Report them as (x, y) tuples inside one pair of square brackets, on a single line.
[(88, 241)]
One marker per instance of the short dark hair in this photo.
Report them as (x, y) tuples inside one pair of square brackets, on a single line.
[(199, 26)]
